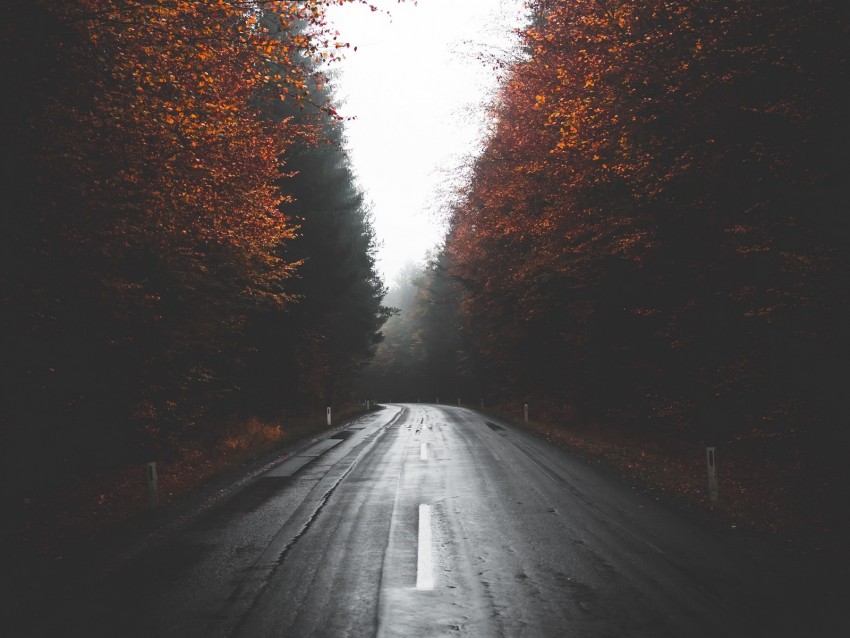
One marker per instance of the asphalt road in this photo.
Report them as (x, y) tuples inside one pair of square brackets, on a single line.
[(421, 520)]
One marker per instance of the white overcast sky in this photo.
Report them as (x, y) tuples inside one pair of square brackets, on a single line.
[(418, 92)]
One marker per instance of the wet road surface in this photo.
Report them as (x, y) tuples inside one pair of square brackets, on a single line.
[(421, 520)]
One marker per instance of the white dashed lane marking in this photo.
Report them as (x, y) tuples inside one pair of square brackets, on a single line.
[(425, 567)]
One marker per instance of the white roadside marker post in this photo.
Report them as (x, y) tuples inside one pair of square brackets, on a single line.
[(329, 417), (711, 462)]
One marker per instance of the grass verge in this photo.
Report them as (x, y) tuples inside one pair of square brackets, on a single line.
[(85, 507), (787, 492)]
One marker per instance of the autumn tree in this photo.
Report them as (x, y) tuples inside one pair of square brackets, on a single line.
[(144, 217), (652, 232)]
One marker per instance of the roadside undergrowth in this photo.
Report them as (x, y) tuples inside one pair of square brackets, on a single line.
[(781, 490), (86, 506)]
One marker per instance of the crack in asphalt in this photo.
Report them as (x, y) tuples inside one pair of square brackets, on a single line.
[(250, 590)]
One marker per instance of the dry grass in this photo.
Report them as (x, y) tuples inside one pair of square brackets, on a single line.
[(85, 506), (775, 489)]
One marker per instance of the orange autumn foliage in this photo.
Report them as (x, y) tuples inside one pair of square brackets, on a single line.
[(658, 202), (166, 125), (148, 215)]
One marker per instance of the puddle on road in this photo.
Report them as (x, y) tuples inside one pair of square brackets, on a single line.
[(344, 434)]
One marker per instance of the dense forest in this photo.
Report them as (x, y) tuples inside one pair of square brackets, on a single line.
[(183, 243), (655, 236)]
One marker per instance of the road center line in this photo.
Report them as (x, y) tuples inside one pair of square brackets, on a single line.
[(423, 451), (424, 567)]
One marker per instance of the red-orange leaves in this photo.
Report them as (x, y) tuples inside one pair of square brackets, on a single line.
[(166, 125), (661, 166)]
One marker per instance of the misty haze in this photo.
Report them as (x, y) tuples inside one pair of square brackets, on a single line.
[(404, 319)]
